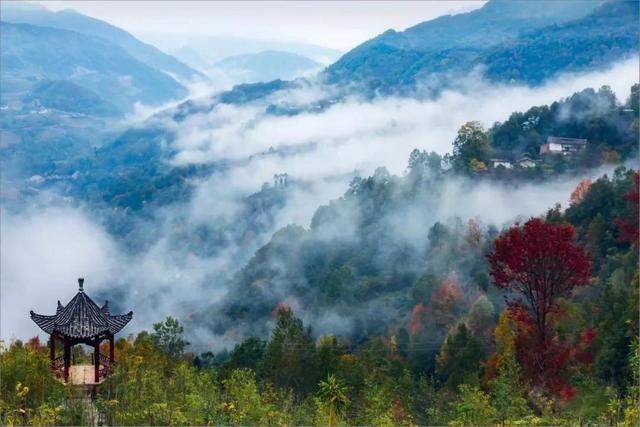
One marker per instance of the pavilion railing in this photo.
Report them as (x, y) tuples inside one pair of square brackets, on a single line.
[(105, 366)]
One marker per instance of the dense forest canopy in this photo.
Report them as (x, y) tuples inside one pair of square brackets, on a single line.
[(505, 42)]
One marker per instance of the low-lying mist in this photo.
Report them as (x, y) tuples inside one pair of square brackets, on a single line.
[(45, 248)]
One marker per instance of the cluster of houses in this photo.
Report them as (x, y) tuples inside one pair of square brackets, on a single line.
[(524, 162), (554, 145)]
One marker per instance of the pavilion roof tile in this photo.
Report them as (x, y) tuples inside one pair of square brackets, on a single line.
[(82, 318)]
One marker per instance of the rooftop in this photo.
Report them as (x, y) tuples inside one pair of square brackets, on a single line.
[(566, 141), (82, 318)]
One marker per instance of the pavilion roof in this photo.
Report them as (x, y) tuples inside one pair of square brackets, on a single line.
[(82, 318)]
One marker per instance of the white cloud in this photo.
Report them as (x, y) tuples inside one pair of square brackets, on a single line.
[(356, 135), (43, 252)]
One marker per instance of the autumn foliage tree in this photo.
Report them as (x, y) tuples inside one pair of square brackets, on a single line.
[(579, 192), (445, 302), (540, 263)]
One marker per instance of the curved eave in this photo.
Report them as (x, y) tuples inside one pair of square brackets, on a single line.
[(116, 323), (46, 323)]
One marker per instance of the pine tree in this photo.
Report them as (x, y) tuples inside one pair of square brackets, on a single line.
[(290, 359)]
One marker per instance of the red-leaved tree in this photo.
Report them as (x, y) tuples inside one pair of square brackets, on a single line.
[(539, 262)]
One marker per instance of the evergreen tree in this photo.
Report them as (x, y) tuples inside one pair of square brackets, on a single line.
[(167, 336), (247, 354), (290, 359), (481, 320), (459, 359)]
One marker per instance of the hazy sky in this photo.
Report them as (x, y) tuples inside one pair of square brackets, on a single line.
[(336, 24)]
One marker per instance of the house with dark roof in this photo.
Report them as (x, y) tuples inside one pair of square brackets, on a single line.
[(562, 145)]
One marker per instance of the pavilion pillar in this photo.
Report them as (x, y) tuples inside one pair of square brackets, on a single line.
[(52, 349), (67, 358), (96, 358), (112, 357)]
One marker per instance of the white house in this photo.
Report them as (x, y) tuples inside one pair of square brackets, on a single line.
[(501, 162), (526, 162), (561, 145)]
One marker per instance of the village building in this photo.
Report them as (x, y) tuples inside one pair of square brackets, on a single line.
[(81, 321), (501, 162), (526, 162), (564, 146)]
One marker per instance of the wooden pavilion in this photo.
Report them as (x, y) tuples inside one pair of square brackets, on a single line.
[(81, 321)]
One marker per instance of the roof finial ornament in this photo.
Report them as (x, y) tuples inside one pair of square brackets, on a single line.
[(81, 283)]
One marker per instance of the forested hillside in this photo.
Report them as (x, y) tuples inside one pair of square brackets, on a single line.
[(606, 34), (396, 308), (559, 352), (517, 42), (134, 172), (369, 258), (609, 126), (32, 53)]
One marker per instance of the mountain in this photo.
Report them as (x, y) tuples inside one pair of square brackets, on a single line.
[(190, 56), (507, 42), (266, 66), (61, 91), (32, 53), (66, 96), (352, 263), (204, 51), (488, 38), (27, 13), (604, 36)]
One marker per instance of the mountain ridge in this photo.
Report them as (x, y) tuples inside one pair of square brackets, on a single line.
[(69, 19), (266, 66), (395, 62), (33, 52)]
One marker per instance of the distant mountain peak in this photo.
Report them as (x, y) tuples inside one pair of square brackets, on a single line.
[(70, 19), (32, 54)]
